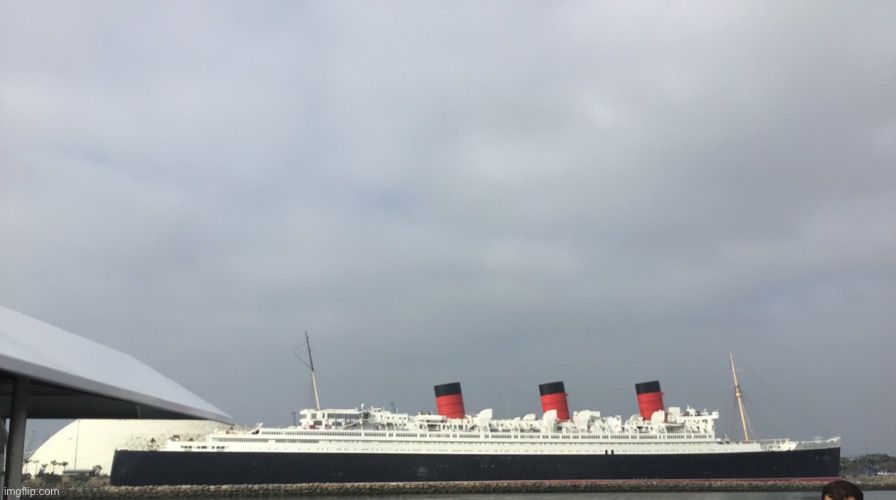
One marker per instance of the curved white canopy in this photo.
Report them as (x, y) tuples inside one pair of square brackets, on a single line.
[(73, 377)]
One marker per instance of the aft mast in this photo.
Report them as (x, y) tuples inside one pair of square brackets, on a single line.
[(313, 377), (737, 393)]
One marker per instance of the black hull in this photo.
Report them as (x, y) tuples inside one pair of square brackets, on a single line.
[(143, 468)]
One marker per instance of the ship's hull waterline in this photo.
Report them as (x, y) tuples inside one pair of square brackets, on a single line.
[(144, 468)]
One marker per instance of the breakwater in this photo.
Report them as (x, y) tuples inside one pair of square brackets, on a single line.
[(101, 489)]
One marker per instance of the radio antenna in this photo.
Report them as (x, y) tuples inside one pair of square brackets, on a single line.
[(737, 393), (313, 377)]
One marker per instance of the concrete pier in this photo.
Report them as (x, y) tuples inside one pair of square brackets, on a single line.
[(100, 488)]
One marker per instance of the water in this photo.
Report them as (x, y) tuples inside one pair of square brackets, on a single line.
[(808, 495), (871, 495)]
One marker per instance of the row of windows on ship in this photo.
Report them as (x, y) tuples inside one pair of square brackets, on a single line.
[(221, 448), (591, 437)]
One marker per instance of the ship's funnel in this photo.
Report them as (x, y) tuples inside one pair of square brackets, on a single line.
[(650, 398), (450, 400), (553, 397)]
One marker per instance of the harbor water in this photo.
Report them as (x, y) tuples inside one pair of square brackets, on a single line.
[(870, 495), (808, 495)]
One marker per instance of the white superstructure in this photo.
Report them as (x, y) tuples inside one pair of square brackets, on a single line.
[(376, 430)]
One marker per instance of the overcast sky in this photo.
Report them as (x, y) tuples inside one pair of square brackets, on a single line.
[(501, 194)]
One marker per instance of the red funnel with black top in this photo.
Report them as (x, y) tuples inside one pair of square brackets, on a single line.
[(450, 400), (553, 397), (650, 398)]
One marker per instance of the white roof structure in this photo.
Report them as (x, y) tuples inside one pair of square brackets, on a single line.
[(46, 372), (73, 377), (84, 444)]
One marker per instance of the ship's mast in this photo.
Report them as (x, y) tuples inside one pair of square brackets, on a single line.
[(313, 377), (737, 393)]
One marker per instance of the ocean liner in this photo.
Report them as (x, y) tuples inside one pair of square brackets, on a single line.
[(377, 445)]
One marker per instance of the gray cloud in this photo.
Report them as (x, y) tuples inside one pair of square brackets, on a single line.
[(499, 194)]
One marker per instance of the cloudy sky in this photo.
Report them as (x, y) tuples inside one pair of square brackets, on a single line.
[(497, 193)]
